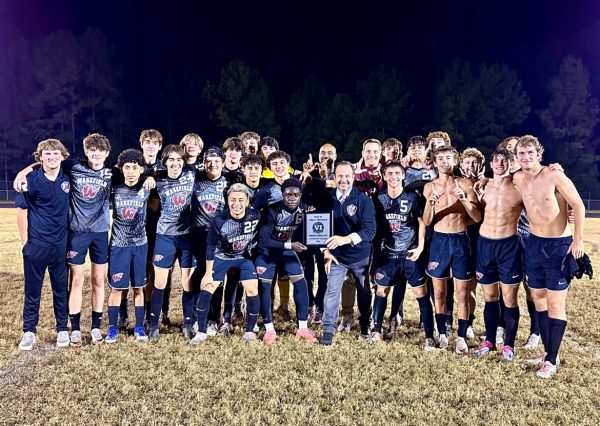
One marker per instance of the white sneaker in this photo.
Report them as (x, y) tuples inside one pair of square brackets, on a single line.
[(345, 323), (27, 341), (429, 345), (470, 333), (212, 329), (461, 346), (532, 342), (97, 338), (195, 327), (499, 337), (225, 329), (76, 338), (547, 370), (256, 328), (442, 341), (198, 339), (62, 339)]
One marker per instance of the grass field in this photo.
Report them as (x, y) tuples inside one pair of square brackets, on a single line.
[(290, 382)]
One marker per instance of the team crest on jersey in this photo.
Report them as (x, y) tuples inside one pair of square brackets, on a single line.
[(128, 212), (90, 191), (65, 186), (117, 277), (351, 209), (158, 257), (261, 270), (71, 254), (210, 207), (238, 245), (394, 225), (379, 276), (478, 275), (432, 265), (178, 199)]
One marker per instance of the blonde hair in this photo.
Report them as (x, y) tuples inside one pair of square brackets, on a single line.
[(151, 134), (439, 135), (529, 140), (472, 152), (192, 138), (50, 145)]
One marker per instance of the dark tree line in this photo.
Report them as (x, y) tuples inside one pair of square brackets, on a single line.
[(67, 86)]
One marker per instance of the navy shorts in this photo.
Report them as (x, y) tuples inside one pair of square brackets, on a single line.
[(543, 262), (78, 244), (245, 266), (397, 270), (127, 265), (171, 247), (285, 262), (450, 250), (499, 260)]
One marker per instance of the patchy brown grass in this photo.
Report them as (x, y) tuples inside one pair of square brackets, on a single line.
[(291, 382)]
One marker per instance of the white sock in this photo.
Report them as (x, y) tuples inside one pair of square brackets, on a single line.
[(269, 327), (302, 324)]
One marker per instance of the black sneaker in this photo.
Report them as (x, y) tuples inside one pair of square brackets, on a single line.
[(326, 339)]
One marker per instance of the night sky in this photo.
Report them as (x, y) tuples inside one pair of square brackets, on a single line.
[(190, 41)]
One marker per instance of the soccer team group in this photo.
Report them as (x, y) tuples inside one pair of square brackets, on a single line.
[(234, 216)]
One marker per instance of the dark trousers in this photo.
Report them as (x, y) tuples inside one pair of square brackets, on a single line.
[(310, 259), (36, 259)]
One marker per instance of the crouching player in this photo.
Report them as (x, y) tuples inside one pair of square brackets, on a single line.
[(128, 243), (230, 239), (401, 238), (277, 252)]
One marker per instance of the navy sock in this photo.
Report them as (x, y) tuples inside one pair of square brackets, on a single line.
[(534, 328), (202, 309), (440, 322), (123, 308), (426, 315), (96, 319), (227, 311), (155, 306), (266, 304), (378, 311), (74, 318), (301, 299), (557, 331), (113, 316), (148, 305), (511, 320), (501, 319), (139, 316), (187, 305), (166, 299), (491, 315), (463, 324), (471, 319), (194, 311), (544, 328), (252, 307), (398, 299), (450, 301)]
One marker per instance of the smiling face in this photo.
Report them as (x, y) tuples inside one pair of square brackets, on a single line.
[(344, 177), (192, 149), (371, 154), (327, 153), (393, 177), (96, 157), (500, 165), (131, 173), (250, 146), (391, 152), (174, 165), (237, 203), (213, 166), (150, 147), (417, 151), (233, 156), (51, 159), (445, 162), (470, 164), (528, 157), (279, 167), (252, 173)]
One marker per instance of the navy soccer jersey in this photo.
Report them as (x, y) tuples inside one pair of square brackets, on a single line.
[(90, 193), (398, 221), (417, 178), (230, 238), (129, 215), (278, 226), (47, 204), (175, 200), (208, 200), (268, 194)]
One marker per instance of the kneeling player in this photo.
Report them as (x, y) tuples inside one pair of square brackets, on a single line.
[(277, 251), (230, 239), (128, 243), (401, 238)]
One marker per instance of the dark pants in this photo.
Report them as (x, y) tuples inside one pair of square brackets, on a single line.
[(310, 259), (36, 259)]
